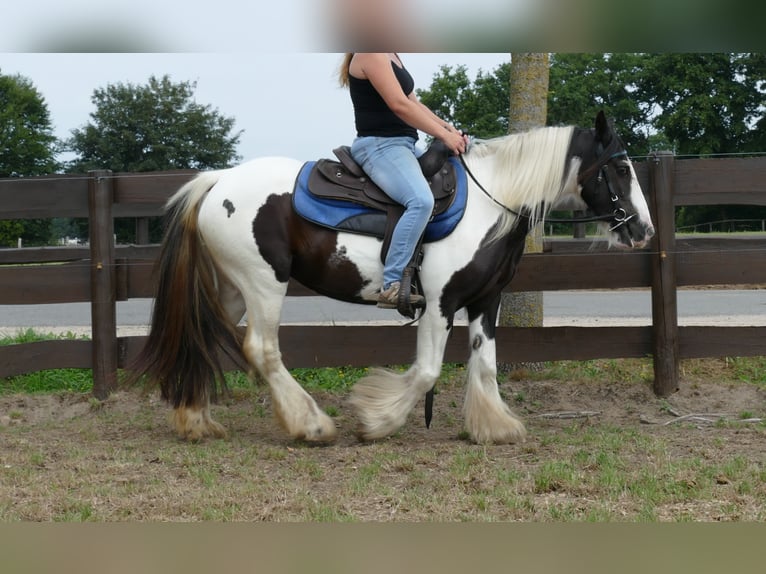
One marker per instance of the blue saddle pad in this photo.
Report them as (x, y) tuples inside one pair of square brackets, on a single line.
[(356, 218)]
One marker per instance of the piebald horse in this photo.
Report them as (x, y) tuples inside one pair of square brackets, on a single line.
[(233, 241)]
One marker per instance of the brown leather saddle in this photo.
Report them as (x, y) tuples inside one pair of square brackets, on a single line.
[(345, 180)]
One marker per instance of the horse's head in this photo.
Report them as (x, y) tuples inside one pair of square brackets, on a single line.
[(607, 183)]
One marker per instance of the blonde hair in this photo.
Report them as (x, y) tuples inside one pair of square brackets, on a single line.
[(343, 70)]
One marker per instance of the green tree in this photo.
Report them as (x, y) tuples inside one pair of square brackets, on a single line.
[(708, 104), (690, 103), (579, 86), (583, 84), (479, 107), (753, 73), (151, 127), (28, 148)]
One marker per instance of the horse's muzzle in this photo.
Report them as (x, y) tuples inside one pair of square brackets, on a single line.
[(632, 236)]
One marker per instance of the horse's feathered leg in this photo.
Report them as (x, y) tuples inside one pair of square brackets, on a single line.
[(384, 398), (488, 419), (294, 408), (252, 238)]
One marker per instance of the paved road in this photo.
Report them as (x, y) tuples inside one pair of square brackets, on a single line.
[(739, 307)]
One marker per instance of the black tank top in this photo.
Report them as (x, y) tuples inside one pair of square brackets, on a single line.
[(372, 115)]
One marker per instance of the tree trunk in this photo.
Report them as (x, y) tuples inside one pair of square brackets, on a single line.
[(528, 109)]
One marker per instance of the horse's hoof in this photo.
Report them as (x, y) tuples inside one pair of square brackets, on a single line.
[(197, 434), (514, 433), (322, 434), (319, 435), (370, 432), (362, 434), (195, 425)]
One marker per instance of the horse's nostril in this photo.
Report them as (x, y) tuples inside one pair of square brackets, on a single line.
[(649, 232)]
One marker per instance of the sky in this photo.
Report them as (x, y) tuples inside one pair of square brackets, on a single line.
[(287, 104), (271, 64)]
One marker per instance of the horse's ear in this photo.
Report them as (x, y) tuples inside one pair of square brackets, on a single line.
[(603, 131)]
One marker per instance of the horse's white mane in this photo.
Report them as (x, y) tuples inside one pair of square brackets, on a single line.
[(527, 171)]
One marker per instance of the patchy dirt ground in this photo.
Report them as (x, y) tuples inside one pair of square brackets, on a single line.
[(605, 450)]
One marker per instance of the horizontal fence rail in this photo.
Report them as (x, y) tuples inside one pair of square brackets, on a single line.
[(564, 265), (103, 273)]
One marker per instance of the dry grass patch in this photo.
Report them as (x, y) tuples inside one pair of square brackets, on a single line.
[(66, 457)]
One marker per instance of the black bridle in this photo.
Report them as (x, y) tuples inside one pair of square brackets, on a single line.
[(619, 216)]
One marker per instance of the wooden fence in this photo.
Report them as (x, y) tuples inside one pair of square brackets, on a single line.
[(104, 274)]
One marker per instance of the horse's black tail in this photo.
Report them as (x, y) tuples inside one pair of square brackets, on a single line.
[(189, 327)]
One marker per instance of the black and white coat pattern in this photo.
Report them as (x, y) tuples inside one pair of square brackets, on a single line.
[(233, 243)]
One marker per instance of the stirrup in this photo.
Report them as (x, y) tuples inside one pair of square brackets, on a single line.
[(405, 305)]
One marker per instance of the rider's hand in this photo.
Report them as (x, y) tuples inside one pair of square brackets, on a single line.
[(456, 140)]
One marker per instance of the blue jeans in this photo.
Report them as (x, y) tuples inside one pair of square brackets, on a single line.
[(391, 162)]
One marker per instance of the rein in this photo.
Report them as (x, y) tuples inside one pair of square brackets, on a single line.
[(619, 215)]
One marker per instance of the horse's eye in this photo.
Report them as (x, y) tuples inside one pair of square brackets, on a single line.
[(623, 171)]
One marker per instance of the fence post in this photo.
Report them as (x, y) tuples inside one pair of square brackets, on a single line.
[(664, 302), (142, 231), (103, 306), (579, 228)]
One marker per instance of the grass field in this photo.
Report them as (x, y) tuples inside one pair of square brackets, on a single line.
[(601, 447)]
